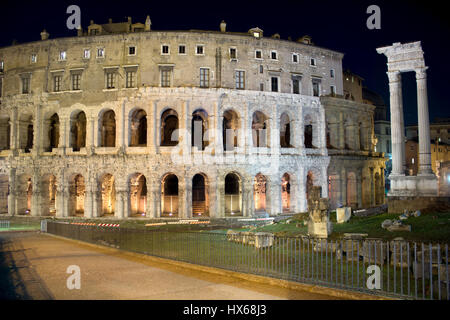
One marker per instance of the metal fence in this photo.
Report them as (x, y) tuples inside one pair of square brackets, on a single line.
[(4, 224), (402, 269)]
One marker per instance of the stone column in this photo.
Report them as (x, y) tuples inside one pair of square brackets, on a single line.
[(274, 196), (372, 186), (150, 129), (343, 186), (35, 197), (341, 131), (36, 131), (12, 192), (212, 196), (91, 136), (121, 205), (302, 189), (359, 186), (14, 134), (187, 198), (324, 181), (156, 127), (395, 90), (424, 123)]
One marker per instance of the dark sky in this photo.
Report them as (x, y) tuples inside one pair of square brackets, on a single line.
[(337, 25)]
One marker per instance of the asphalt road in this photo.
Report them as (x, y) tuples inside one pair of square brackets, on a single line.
[(34, 266)]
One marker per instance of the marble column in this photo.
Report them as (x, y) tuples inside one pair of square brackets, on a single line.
[(424, 123), (359, 178), (12, 192), (395, 90)]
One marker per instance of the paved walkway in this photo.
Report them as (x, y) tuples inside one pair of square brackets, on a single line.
[(37, 265)]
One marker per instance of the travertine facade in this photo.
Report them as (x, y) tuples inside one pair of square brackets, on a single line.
[(177, 124)]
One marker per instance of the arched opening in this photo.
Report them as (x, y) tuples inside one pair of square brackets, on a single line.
[(169, 190), (26, 132), (352, 199), (77, 189), (333, 190), (233, 195), (198, 128), (260, 130), (138, 128), (24, 190), (48, 195), (286, 193), (200, 196), (138, 195), (78, 131), (259, 192), (53, 133), (108, 195), (285, 131), (169, 128), (310, 134), (4, 191), (108, 129), (5, 133), (230, 130)]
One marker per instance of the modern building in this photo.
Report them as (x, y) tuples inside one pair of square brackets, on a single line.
[(440, 153), (126, 121)]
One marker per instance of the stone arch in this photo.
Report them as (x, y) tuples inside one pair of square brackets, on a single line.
[(169, 195), (233, 194), (169, 128), (138, 194), (4, 192), (200, 195), (230, 129), (285, 131), (199, 126), (26, 132), (5, 133), (51, 132), (107, 199), (311, 130), (260, 130), (138, 128), (107, 128), (77, 193), (77, 138), (333, 189)]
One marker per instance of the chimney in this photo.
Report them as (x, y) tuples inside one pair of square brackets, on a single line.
[(223, 26), (148, 24), (44, 35)]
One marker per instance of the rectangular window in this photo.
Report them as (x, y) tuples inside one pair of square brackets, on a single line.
[(258, 54), (233, 55), (86, 54), (296, 85), (2, 66), (273, 55), (182, 49), (261, 87), (332, 73), (132, 51), (261, 69), (100, 53), (295, 57), (240, 79), (199, 49), (26, 84), (274, 82), (316, 88), (165, 77), (313, 62), (204, 78), (130, 78), (33, 58), (76, 81), (62, 55), (333, 90), (165, 49), (1, 86), (110, 80), (57, 81)]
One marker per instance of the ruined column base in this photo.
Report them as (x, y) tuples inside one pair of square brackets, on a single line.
[(413, 186), (319, 229)]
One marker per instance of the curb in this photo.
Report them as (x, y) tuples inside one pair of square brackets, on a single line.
[(286, 284)]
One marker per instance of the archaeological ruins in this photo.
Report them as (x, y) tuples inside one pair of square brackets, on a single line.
[(126, 121)]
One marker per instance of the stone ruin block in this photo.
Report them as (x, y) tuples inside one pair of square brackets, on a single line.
[(399, 253), (373, 251), (264, 239), (343, 214)]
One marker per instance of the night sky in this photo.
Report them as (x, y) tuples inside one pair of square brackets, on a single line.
[(336, 25)]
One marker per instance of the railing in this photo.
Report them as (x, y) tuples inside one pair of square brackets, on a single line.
[(4, 224), (407, 270)]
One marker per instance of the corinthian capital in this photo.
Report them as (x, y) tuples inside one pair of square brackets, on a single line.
[(394, 76), (421, 73)]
